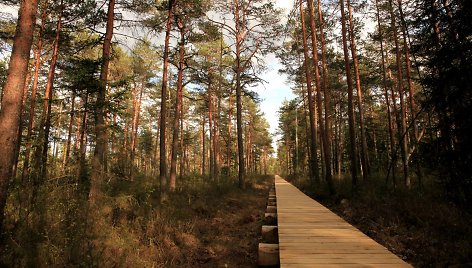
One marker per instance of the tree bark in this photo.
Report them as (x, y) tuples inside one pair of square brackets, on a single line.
[(324, 138), (387, 100), (34, 91), (311, 105), (12, 95), (350, 102), (230, 123), (99, 161), (411, 91), (364, 153), (47, 105), (162, 125), (178, 110), (69, 130), (239, 128), (203, 147), (402, 124), (327, 94)]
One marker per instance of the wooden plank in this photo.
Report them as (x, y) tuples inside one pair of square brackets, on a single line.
[(310, 235), (344, 265)]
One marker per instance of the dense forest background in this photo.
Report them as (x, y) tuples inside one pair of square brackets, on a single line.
[(127, 126)]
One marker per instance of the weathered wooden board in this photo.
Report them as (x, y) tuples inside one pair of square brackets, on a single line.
[(310, 235)]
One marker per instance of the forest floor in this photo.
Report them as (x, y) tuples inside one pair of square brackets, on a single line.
[(224, 226), (202, 224), (420, 227)]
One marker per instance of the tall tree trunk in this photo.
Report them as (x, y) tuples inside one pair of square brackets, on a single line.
[(82, 139), (311, 104), (162, 125), (230, 123), (402, 123), (12, 95), (387, 100), (327, 94), (178, 110), (135, 127), (305, 113), (20, 127), (239, 106), (99, 161), (34, 90), (69, 129), (210, 127), (183, 154), (324, 138), (364, 153), (47, 104), (217, 137), (156, 148), (411, 91), (203, 146), (350, 101)]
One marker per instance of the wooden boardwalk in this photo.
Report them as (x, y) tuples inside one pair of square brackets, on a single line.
[(310, 235)]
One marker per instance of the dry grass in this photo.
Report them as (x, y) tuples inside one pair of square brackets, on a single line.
[(418, 226), (203, 224)]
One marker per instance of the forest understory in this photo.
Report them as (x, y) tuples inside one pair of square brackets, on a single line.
[(202, 224), (420, 227)]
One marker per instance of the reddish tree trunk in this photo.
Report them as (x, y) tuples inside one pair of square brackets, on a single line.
[(402, 121), (239, 119), (178, 110), (387, 100), (47, 104), (324, 138), (311, 104), (162, 125), (99, 163), (364, 155), (350, 101), (69, 132), (12, 95)]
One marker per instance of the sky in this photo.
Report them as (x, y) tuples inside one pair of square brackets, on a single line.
[(277, 89)]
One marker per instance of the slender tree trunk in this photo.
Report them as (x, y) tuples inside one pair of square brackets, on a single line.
[(183, 153), (135, 127), (230, 123), (20, 127), (402, 124), (327, 94), (83, 140), (210, 127), (307, 130), (239, 107), (387, 100), (364, 153), (411, 91), (47, 103), (133, 134), (34, 91), (217, 137), (162, 126), (324, 138), (69, 130), (178, 110), (311, 104), (99, 161), (350, 102), (397, 122), (203, 147), (156, 148)]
